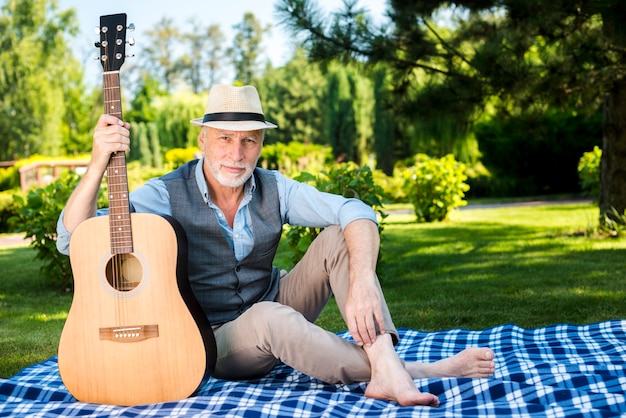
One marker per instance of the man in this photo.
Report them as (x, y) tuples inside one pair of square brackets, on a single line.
[(233, 213)]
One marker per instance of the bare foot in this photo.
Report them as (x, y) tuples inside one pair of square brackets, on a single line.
[(390, 380), (471, 362), (402, 391)]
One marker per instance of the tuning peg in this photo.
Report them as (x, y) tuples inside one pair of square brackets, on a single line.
[(131, 41), (131, 27), (98, 44)]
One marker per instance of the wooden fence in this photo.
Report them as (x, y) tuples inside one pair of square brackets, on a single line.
[(41, 173)]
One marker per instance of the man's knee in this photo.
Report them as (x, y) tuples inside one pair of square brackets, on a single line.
[(264, 312), (268, 315)]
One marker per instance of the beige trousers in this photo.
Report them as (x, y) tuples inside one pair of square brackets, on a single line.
[(284, 330)]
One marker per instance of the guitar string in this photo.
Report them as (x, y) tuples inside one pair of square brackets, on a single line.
[(119, 166), (113, 270), (116, 261)]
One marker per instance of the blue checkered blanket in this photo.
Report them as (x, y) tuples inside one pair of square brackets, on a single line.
[(557, 371)]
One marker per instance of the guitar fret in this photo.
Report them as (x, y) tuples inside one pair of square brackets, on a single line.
[(119, 223), (122, 241)]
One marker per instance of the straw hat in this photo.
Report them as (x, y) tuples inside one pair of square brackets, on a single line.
[(234, 109)]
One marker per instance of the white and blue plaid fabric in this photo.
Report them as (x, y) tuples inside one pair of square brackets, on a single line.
[(556, 371)]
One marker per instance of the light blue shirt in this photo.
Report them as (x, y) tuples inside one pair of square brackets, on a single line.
[(300, 205)]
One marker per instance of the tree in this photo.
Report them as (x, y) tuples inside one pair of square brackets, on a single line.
[(244, 53), (349, 113), (172, 116), (141, 109), (160, 61), (383, 126), (293, 98), (200, 65), (140, 148), (515, 55), (40, 81), (155, 146), (340, 117)]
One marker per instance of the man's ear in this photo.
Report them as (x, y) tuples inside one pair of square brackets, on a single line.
[(201, 138)]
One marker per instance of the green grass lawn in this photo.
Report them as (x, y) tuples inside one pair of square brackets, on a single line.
[(31, 314), (525, 265)]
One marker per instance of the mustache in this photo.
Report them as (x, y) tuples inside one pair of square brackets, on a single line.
[(235, 165)]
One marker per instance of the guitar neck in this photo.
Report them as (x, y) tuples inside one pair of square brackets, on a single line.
[(119, 211)]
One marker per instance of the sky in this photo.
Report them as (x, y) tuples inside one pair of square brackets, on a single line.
[(227, 13)]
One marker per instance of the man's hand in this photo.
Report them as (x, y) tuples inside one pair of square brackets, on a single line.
[(364, 314), (363, 311), (110, 135)]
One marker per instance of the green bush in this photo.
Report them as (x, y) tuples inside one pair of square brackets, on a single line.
[(589, 172), (37, 218), (8, 209), (348, 180), (176, 157), (393, 186), (435, 186), (295, 157), (137, 176), (9, 178)]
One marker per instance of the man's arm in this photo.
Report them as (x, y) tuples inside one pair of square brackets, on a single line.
[(302, 204), (110, 135), (364, 313)]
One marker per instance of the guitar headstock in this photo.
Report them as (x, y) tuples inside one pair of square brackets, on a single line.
[(113, 42)]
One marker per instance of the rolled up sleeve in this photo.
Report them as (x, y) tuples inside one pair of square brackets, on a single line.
[(303, 205)]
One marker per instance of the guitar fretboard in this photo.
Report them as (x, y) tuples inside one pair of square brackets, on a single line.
[(119, 211)]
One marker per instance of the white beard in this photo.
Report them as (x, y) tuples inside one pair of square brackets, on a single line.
[(229, 180)]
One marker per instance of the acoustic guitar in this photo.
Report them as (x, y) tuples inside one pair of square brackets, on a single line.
[(135, 333)]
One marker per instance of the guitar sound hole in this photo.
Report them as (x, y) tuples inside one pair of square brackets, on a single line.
[(124, 272)]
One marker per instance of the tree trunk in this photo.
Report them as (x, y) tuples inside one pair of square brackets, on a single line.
[(613, 164)]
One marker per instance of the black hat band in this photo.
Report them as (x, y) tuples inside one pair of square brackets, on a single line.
[(233, 117)]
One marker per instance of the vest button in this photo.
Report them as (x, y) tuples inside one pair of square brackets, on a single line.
[(237, 269)]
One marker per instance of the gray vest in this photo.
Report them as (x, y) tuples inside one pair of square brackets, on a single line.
[(224, 287)]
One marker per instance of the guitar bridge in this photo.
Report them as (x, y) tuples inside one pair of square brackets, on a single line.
[(129, 334)]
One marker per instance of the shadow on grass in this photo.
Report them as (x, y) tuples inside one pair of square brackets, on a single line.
[(478, 275)]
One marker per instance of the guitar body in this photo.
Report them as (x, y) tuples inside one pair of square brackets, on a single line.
[(135, 333)]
